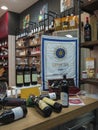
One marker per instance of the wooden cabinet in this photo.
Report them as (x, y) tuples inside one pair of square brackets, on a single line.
[(27, 51)]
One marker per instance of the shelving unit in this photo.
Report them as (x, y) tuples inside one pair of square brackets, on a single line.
[(90, 7), (4, 59), (89, 44), (89, 81)]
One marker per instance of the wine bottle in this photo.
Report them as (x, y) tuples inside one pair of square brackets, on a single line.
[(64, 94), (41, 107), (13, 114), (87, 30), (51, 95), (33, 75), (19, 76), (57, 107), (9, 101), (26, 75)]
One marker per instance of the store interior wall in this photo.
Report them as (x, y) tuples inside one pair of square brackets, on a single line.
[(34, 10), (16, 20)]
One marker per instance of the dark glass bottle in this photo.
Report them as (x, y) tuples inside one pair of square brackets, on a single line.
[(41, 107), (13, 114), (56, 106), (9, 101), (19, 76), (87, 30), (26, 75), (33, 75), (51, 95), (64, 94)]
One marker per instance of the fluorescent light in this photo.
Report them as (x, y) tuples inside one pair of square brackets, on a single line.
[(4, 7), (69, 36)]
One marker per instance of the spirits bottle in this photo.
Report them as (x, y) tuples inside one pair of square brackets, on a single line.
[(13, 114), (87, 30)]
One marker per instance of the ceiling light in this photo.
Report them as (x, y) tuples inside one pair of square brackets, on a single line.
[(4, 7)]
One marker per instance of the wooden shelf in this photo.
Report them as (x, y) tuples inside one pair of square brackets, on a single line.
[(20, 48), (90, 7), (34, 45), (23, 56), (89, 81), (89, 44), (4, 56)]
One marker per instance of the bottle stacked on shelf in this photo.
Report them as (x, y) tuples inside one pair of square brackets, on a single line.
[(67, 22), (26, 76), (87, 30)]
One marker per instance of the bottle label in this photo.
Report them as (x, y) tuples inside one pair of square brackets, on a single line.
[(27, 78), (65, 24), (72, 23), (19, 79), (64, 98), (18, 113), (42, 104), (52, 95), (34, 77), (87, 34), (48, 101)]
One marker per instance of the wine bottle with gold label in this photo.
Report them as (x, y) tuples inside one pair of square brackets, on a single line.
[(56, 106), (41, 107)]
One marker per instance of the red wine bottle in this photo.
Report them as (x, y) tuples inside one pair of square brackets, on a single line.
[(19, 76), (87, 30), (51, 95), (41, 107), (9, 101), (13, 114), (33, 75), (64, 92), (57, 107), (26, 75)]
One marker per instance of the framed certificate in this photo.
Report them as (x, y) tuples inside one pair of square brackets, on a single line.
[(59, 56)]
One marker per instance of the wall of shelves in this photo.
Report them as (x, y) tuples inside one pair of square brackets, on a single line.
[(4, 59), (91, 48)]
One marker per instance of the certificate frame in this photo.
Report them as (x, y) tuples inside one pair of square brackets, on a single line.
[(51, 46)]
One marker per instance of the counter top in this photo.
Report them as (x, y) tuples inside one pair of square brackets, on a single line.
[(34, 121)]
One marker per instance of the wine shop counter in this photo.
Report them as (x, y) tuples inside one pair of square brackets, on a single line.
[(34, 121)]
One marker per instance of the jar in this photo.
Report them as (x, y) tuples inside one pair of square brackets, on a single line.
[(84, 75)]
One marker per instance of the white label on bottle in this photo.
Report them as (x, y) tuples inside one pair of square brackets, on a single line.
[(34, 77), (72, 23), (48, 101), (27, 78), (42, 104), (18, 113), (19, 78), (52, 95), (64, 98)]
